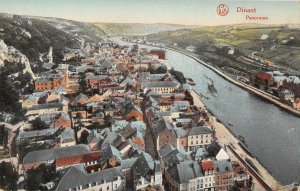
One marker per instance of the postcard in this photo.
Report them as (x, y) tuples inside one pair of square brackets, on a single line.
[(189, 95)]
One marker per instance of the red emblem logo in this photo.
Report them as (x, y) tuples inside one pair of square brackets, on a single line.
[(222, 10)]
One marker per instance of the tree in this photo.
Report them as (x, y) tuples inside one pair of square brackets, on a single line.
[(159, 70), (9, 96), (3, 136), (82, 84), (38, 124), (178, 75), (83, 137), (8, 176), (36, 176)]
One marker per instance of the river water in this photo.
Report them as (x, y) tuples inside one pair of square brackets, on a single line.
[(273, 135)]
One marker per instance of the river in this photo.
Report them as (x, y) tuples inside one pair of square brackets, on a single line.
[(272, 134)]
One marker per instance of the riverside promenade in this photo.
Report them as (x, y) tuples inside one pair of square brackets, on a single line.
[(262, 179)]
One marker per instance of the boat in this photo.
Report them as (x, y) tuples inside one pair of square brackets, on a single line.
[(210, 86), (229, 123), (191, 81)]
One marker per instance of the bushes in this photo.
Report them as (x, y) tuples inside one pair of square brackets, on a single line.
[(178, 75), (3, 136), (9, 96), (40, 175), (8, 176)]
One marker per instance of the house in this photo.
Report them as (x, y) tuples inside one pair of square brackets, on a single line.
[(63, 120), (171, 156), (287, 96), (263, 80), (159, 52), (46, 108), (30, 101), (241, 177), (163, 134), (292, 83), (75, 178), (110, 156), (199, 137), (131, 111), (95, 80), (145, 171), (81, 99), (35, 158), (223, 175), (186, 175), (208, 169), (161, 87), (52, 80), (62, 136)]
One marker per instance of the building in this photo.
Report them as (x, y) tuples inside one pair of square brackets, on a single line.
[(131, 111), (159, 52), (263, 80), (46, 108), (63, 120), (75, 178), (223, 175), (161, 87), (88, 161), (199, 137), (185, 176), (35, 158), (208, 169), (58, 78)]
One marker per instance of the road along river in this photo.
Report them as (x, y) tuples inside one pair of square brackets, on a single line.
[(273, 135)]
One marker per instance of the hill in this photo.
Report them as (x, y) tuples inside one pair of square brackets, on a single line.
[(278, 43), (136, 28)]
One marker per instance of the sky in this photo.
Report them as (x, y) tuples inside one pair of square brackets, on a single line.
[(187, 12)]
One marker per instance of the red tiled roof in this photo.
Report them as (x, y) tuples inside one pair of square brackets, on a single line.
[(108, 85), (66, 161), (264, 76), (138, 141), (207, 165)]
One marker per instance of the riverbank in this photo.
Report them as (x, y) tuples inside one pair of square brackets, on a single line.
[(225, 137), (242, 85), (266, 96)]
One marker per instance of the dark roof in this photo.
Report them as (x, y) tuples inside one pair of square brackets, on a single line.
[(143, 164), (108, 151), (222, 166), (75, 177), (185, 171), (128, 107), (161, 84), (200, 130), (45, 106), (51, 154)]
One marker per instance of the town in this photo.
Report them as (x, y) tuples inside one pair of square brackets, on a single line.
[(114, 117)]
